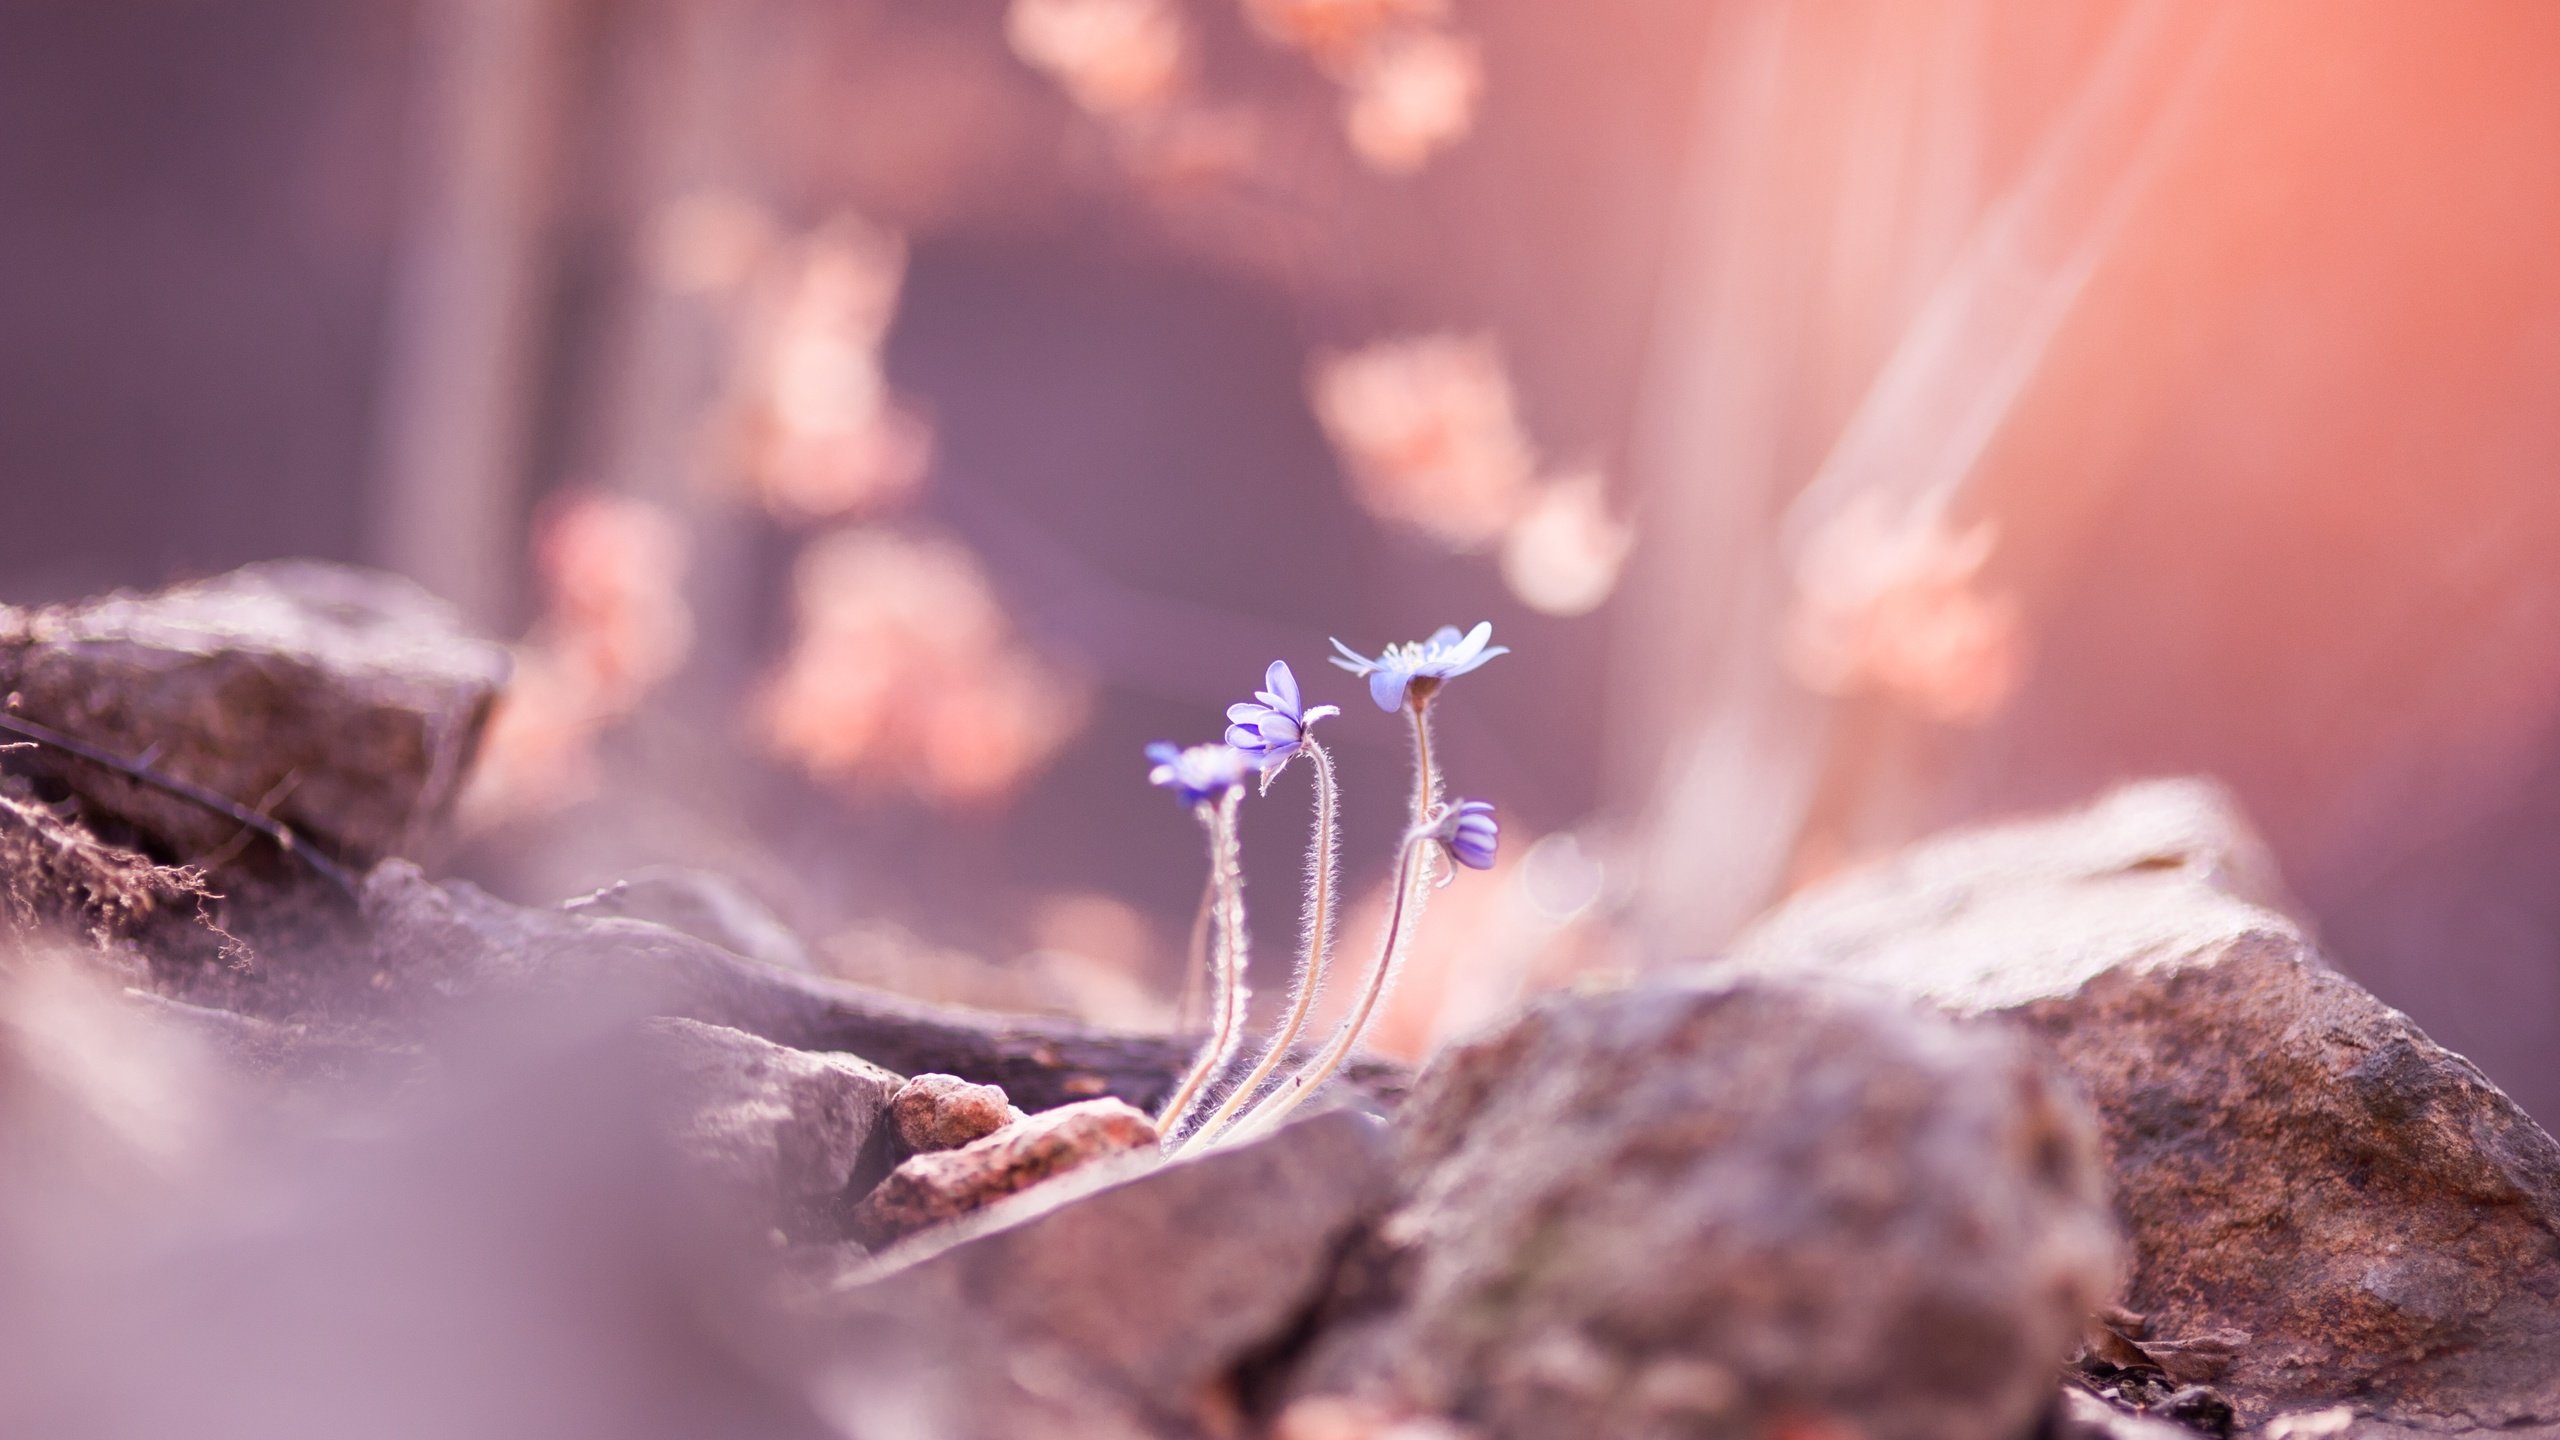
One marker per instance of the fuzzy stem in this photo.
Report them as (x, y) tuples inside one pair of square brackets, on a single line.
[(1228, 996), (1323, 874), (1298, 1087), (1426, 778), (1186, 1010)]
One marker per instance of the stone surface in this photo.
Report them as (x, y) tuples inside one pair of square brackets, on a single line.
[(1715, 1209), (2309, 1182), (711, 908), (346, 703), (943, 1185), (455, 942), (780, 1132), (945, 1112), (1140, 1288)]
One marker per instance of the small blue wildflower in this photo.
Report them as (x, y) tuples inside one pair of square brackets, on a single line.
[(1272, 726), (1445, 656), (1201, 773), (1468, 831)]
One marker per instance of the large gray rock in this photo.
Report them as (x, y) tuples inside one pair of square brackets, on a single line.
[(347, 702), (710, 908), (2308, 1180), (1712, 1209), (1121, 1300), (778, 1133), (452, 942)]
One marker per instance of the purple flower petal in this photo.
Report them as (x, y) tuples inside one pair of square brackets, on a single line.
[(1278, 681), (1386, 686)]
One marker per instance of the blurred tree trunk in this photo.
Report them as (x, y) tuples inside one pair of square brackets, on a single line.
[(467, 290)]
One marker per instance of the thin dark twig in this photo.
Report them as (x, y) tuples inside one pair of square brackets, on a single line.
[(223, 854), (223, 805)]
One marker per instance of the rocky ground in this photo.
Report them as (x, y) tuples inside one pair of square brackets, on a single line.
[(2059, 1128)]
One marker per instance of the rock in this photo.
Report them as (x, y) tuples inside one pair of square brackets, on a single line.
[(945, 1112), (946, 1184), (710, 908), (2322, 1201), (779, 1131), (1719, 1209), (345, 703), (1140, 1287), (456, 941)]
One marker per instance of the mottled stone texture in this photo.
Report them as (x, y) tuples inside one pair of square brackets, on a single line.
[(1125, 1299), (347, 702), (438, 944), (777, 1133), (2292, 1158), (946, 1184), (945, 1112), (1710, 1209)]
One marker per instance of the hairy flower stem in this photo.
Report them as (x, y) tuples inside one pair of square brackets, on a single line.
[(1407, 903), (1323, 874), (1414, 864), (1227, 994), (1186, 1011), (1426, 777)]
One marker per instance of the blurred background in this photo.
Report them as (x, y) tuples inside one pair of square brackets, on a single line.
[(874, 420)]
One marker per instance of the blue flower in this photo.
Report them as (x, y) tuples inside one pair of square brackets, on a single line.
[(1272, 726), (1201, 773), (1468, 831), (1423, 665)]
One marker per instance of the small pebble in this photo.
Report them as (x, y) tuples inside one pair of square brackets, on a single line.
[(945, 1112), (942, 1185)]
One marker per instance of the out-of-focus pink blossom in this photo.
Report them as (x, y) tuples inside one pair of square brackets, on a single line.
[(816, 431), (1191, 146), (1564, 554), (1412, 95), (905, 670), (1896, 607), (1428, 429), (614, 624), (1336, 33), (708, 242), (1112, 57), (613, 570)]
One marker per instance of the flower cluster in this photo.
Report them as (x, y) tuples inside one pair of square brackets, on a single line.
[(1263, 735)]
